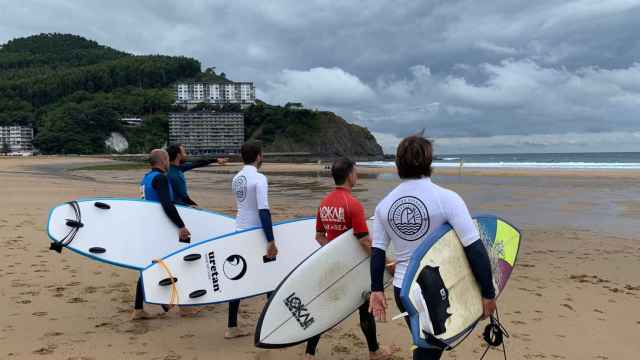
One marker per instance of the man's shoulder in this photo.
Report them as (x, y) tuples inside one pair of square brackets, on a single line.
[(173, 171), (238, 174), (354, 200), (398, 191), (445, 193)]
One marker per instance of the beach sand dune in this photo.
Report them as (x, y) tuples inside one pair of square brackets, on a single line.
[(574, 295)]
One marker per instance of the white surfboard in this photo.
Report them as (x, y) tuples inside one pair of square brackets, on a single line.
[(129, 232), (318, 294), (230, 267)]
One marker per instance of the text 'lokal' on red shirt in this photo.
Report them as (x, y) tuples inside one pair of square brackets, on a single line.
[(340, 211)]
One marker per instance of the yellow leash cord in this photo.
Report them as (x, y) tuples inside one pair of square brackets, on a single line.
[(174, 289)]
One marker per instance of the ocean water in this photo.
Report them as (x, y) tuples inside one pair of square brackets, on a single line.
[(568, 161)]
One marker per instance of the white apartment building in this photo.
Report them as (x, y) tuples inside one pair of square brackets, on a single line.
[(242, 93), (215, 93), (18, 138), (182, 92)]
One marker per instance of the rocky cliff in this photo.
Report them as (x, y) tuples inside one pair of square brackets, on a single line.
[(335, 137)]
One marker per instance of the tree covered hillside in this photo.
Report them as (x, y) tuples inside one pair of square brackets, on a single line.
[(74, 92)]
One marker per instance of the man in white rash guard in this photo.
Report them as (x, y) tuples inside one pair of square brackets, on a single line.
[(251, 191), (407, 215)]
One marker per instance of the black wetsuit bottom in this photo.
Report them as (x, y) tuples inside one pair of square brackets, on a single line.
[(234, 308), (139, 302), (139, 295), (418, 353), (367, 324)]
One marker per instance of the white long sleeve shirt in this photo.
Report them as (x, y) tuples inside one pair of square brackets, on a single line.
[(410, 212)]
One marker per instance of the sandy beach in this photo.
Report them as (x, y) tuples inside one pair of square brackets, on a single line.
[(575, 293)]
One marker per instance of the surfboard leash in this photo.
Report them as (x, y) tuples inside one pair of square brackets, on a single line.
[(74, 224), (174, 299), (494, 335)]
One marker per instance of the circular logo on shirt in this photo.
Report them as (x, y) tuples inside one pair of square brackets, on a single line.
[(234, 267), (409, 218), (239, 187)]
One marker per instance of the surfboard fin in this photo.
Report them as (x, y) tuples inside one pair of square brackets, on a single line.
[(192, 257), (74, 223), (198, 293), (101, 205), (56, 246)]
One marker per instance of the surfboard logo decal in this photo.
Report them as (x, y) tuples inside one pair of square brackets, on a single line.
[(239, 187), (299, 311), (409, 218), (212, 270), (234, 267)]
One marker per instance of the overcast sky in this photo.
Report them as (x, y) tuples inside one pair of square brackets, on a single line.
[(479, 76)]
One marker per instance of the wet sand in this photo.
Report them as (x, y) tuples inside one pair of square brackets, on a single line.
[(574, 295)]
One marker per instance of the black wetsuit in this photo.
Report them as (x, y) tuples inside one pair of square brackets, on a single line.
[(179, 184), (161, 185)]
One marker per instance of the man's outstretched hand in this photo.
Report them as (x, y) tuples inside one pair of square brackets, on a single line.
[(378, 306)]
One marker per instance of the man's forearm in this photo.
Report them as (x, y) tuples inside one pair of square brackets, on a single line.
[(162, 187), (481, 268), (267, 225), (378, 258), (195, 164), (365, 242)]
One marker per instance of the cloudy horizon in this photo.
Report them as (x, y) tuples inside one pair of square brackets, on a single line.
[(490, 77)]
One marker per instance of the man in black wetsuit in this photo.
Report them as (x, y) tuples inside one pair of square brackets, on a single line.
[(179, 165), (155, 186)]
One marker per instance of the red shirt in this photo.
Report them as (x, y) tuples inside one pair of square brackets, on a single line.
[(338, 212)]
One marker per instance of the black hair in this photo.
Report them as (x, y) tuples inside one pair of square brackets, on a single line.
[(414, 157), (250, 151), (173, 151), (341, 169)]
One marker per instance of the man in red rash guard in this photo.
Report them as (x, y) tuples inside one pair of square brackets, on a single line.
[(339, 212)]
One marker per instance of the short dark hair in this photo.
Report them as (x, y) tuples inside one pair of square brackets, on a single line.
[(250, 151), (340, 170), (173, 151), (414, 157)]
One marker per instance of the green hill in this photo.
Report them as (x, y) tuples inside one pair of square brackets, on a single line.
[(74, 92)]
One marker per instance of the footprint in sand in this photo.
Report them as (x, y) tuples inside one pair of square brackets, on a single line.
[(40, 313), (172, 356), (568, 306), (76, 300), (340, 349), (53, 334), (45, 350)]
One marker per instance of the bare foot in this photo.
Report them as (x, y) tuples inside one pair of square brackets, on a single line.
[(308, 357), (235, 332), (139, 314), (383, 353)]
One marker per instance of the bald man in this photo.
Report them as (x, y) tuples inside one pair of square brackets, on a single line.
[(155, 186)]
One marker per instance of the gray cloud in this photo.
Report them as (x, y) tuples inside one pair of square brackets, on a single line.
[(466, 70)]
